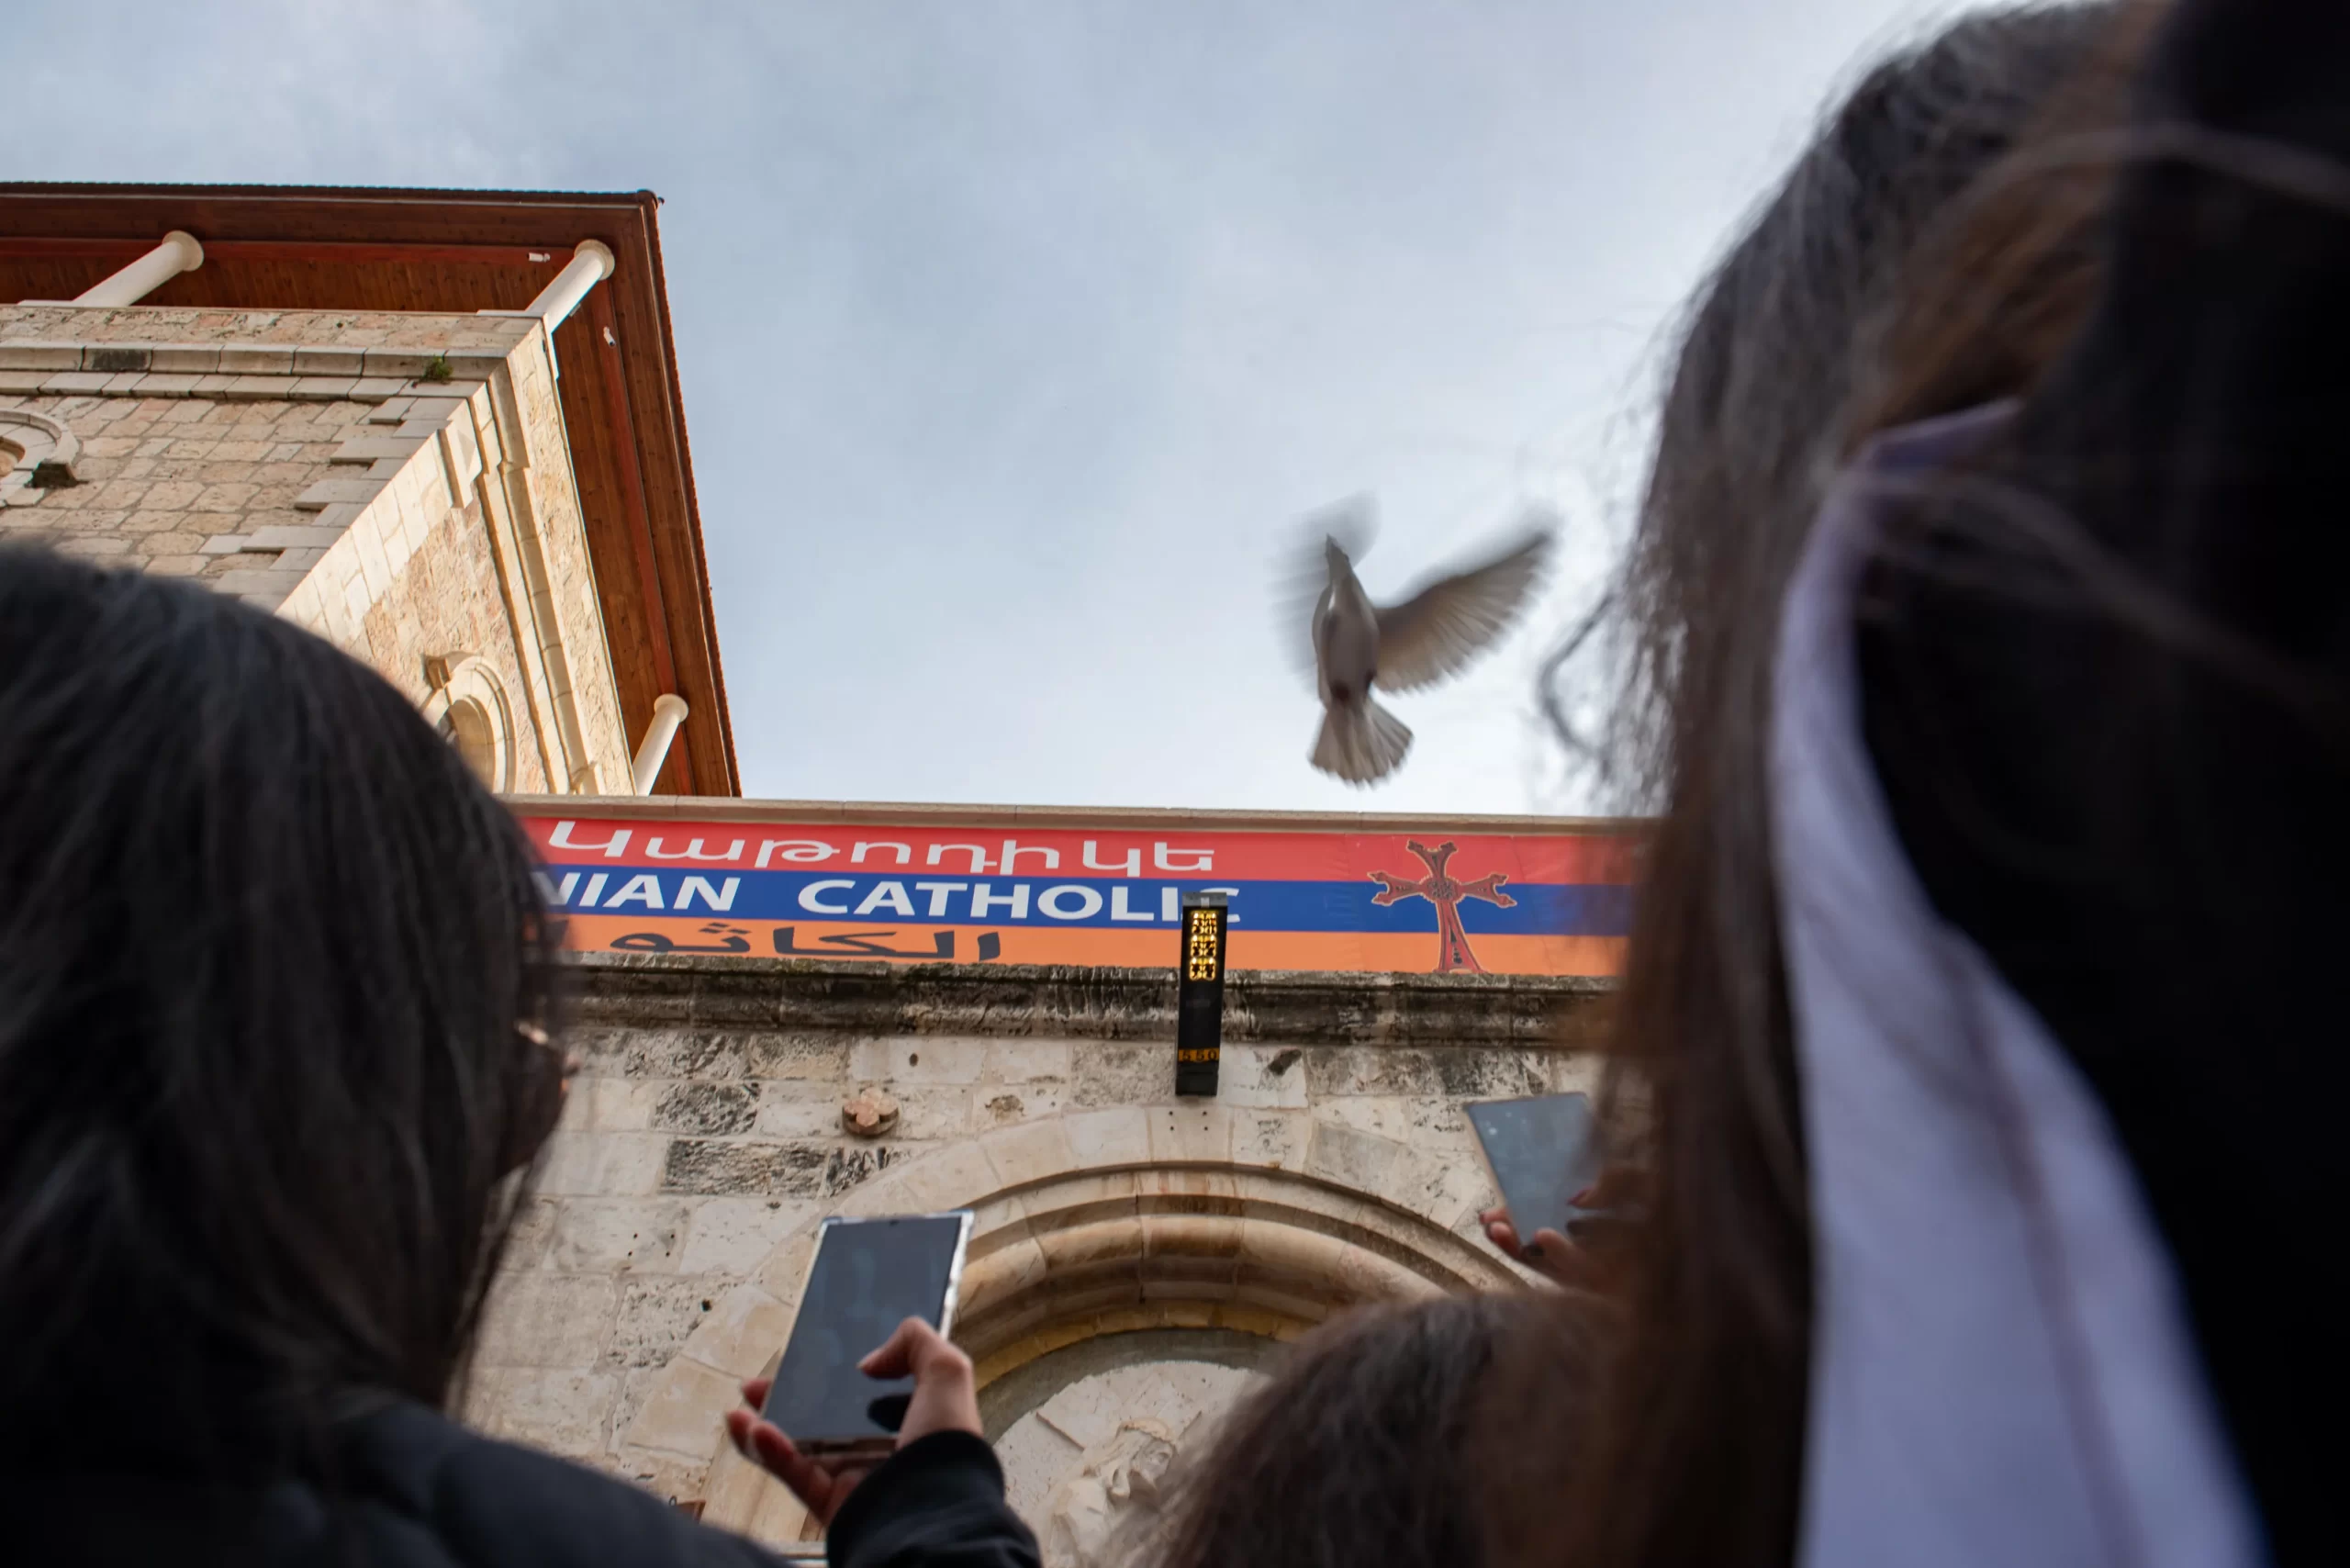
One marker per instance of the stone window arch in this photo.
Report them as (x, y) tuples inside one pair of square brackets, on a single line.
[(469, 707), (37, 455)]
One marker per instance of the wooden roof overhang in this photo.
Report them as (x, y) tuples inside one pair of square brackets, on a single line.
[(304, 248)]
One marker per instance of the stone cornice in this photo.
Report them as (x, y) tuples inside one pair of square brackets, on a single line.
[(1260, 1006)]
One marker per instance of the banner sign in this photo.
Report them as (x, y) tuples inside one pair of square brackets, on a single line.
[(1444, 900)]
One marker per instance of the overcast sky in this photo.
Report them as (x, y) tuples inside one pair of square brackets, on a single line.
[(1016, 337)]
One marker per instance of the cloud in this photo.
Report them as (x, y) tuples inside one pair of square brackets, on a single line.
[(1013, 336)]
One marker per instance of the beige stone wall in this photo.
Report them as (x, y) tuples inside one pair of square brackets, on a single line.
[(399, 483), (659, 1261)]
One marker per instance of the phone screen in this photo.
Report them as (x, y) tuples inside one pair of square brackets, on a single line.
[(1543, 1152), (869, 1275)]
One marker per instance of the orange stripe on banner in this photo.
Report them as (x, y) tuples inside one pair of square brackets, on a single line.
[(1330, 951)]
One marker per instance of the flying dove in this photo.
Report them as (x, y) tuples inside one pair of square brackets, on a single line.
[(1432, 635)]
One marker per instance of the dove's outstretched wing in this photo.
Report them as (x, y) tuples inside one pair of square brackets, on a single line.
[(1306, 572), (1439, 630)]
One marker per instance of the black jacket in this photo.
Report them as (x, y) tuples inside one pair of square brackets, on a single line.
[(415, 1490), (939, 1501)]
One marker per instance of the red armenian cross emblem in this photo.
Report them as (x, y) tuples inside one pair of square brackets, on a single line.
[(1442, 890)]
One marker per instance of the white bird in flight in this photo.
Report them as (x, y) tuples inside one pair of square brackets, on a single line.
[(1432, 635)]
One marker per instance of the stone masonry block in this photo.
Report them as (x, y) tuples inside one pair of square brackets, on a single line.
[(600, 1164), (620, 1236), (563, 1412), (715, 1166), (708, 1108), (656, 1316), (392, 410), (40, 356), (328, 361), (270, 584), (1118, 1136), (322, 389), (949, 1178), (117, 357), (68, 382), (258, 388), (374, 388), (22, 383), (371, 448), (198, 359), (402, 363), (682, 1414), (1262, 1076), (1277, 1139), (167, 385), (745, 1326), (1191, 1132), (917, 1060), (255, 359), (1120, 1075), (734, 1236), (545, 1319), (1029, 1152), (475, 363), (294, 536), (328, 492), (1025, 1061)]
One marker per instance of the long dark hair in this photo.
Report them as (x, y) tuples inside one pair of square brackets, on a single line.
[(1694, 1449), (274, 976), (1361, 1447)]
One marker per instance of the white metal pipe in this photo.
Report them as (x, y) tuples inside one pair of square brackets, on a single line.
[(668, 712), (590, 263), (178, 253)]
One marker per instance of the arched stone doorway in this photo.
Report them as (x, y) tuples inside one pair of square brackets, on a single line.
[(1169, 1274)]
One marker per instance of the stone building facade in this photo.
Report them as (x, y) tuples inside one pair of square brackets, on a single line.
[(421, 425), (441, 429), (397, 483), (1135, 1256)]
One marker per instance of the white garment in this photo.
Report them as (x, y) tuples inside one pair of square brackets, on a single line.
[(2002, 1374)]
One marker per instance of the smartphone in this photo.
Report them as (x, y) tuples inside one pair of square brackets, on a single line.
[(868, 1276), (1543, 1152)]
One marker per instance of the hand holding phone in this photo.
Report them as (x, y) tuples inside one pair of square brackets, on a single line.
[(1543, 1154), (945, 1399), (869, 1367)]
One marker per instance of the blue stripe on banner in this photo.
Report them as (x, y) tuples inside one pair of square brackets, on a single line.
[(1541, 910)]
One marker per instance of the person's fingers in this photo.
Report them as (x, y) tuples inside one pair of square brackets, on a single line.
[(1555, 1256), (913, 1348), (755, 1392), (820, 1486), (946, 1397), (1503, 1235), (893, 1357)]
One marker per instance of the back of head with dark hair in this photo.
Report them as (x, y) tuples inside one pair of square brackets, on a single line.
[(1696, 1443), (264, 948), (1363, 1448)]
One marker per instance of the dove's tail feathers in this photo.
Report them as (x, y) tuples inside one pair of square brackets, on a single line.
[(1360, 742)]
